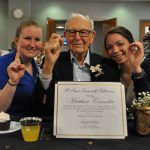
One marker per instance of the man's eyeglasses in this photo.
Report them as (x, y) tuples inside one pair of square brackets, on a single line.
[(82, 33)]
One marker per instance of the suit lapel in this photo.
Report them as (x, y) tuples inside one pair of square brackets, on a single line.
[(92, 63), (67, 68)]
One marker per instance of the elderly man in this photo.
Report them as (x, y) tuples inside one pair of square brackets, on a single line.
[(74, 65), (78, 63)]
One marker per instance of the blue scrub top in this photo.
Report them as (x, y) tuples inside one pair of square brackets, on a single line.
[(22, 102)]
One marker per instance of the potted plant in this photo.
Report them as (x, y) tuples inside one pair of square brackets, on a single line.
[(141, 107)]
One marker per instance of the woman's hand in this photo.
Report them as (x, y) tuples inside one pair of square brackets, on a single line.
[(16, 69), (136, 56)]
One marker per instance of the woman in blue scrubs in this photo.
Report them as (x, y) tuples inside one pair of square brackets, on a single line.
[(18, 71)]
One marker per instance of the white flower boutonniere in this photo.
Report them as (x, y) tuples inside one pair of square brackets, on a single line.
[(97, 69)]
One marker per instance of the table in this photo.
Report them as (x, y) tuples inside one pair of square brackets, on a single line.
[(14, 141)]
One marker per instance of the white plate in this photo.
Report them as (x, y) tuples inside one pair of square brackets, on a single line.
[(14, 126)]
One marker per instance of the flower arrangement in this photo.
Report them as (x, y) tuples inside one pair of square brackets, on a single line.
[(142, 101), (96, 69), (141, 107)]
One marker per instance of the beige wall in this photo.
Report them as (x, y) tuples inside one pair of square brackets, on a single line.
[(128, 13), (3, 24)]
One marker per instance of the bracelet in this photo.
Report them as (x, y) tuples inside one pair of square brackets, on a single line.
[(138, 75), (45, 76), (11, 84)]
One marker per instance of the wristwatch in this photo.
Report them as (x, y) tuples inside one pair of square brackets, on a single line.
[(138, 75)]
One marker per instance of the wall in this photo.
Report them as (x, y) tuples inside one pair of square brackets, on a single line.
[(128, 13), (12, 22), (3, 24)]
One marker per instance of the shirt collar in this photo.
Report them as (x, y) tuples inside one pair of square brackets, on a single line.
[(86, 61)]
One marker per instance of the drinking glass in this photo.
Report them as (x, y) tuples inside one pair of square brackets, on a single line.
[(30, 128)]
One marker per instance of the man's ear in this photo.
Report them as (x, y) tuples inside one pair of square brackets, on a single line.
[(93, 34)]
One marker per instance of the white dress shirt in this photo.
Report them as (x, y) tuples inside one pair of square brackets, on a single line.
[(81, 72)]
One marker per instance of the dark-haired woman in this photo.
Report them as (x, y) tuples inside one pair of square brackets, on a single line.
[(129, 55)]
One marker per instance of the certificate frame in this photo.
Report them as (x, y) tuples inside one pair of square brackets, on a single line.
[(90, 112)]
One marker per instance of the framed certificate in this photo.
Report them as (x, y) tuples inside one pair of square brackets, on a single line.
[(90, 110)]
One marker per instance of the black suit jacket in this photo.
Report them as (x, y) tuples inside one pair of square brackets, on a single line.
[(63, 71), (143, 84)]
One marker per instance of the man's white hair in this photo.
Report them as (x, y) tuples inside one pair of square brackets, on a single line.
[(79, 14)]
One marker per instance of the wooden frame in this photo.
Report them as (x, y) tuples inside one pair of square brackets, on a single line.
[(144, 24)]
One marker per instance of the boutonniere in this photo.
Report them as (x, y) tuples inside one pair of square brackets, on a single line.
[(97, 70)]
